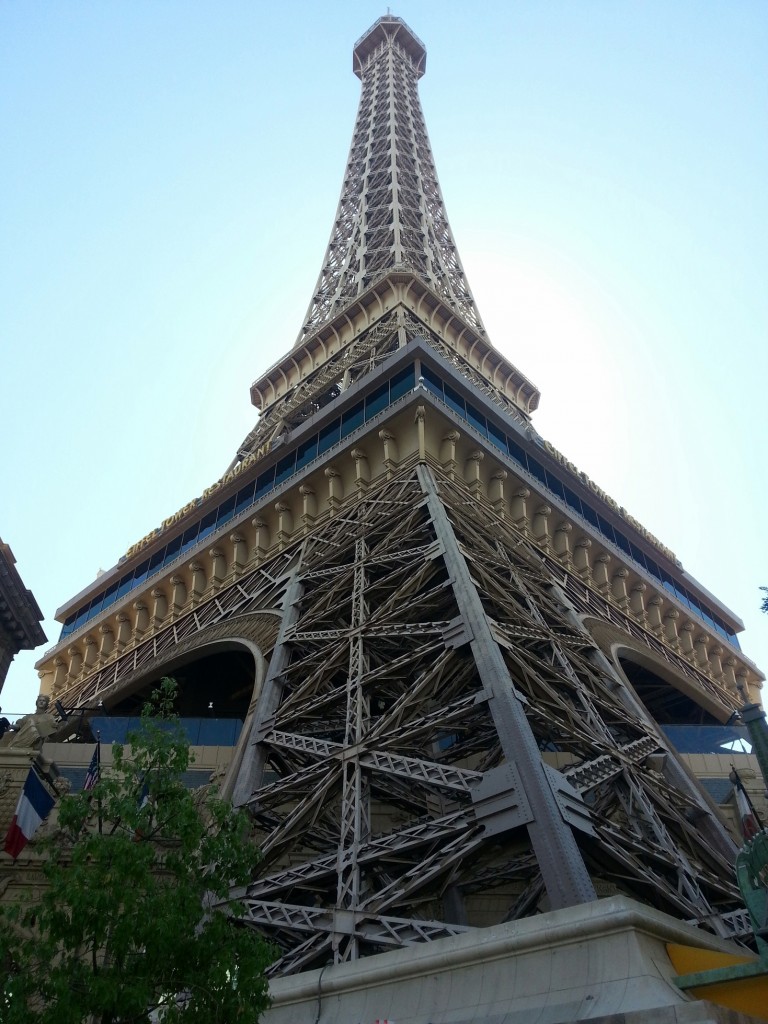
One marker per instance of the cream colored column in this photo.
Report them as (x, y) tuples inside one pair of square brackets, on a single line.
[(420, 419), (284, 523), (600, 573), (309, 507), (472, 476), (196, 592), (561, 542), (581, 558), (715, 661), (391, 456), (218, 575), (362, 470), (239, 553), (637, 601), (124, 630), (141, 621), (160, 607), (670, 627), (619, 587), (59, 674), (497, 492), (741, 682), (701, 644), (686, 639), (448, 452), (655, 614), (178, 595), (263, 539), (729, 674), (75, 662), (540, 526), (518, 509), (107, 642), (91, 652), (335, 488)]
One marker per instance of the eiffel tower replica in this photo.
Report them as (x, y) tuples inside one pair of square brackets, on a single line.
[(459, 651)]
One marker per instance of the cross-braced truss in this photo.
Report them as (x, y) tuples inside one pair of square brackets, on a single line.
[(391, 211), (439, 744)]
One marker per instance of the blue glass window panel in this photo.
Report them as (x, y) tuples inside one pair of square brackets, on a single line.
[(306, 452), (572, 498), (156, 561), (189, 537), (682, 594), (652, 567), (96, 605), (402, 383), (706, 614), (285, 467), (431, 381), (589, 514), (110, 596), (69, 624), (243, 499), (125, 585), (693, 602), (328, 436), (352, 419), (82, 615), (622, 541), (554, 485), (227, 509), (140, 573), (667, 581), (208, 524), (376, 401), (733, 639), (477, 420), (636, 553), (605, 528), (455, 401), (265, 482), (516, 452), (497, 436), (172, 549), (537, 469)]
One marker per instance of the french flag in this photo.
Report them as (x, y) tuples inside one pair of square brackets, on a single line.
[(34, 806)]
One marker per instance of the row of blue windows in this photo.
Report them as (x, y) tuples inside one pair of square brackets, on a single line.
[(340, 427), (434, 383)]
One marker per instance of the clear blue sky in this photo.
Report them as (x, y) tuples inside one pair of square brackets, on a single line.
[(169, 177)]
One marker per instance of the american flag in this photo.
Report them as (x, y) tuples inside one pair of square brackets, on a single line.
[(92, 775)]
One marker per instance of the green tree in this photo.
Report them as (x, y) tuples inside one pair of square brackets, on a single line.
[(128, 924)]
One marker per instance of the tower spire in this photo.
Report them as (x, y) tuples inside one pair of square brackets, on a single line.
[(391, 213)]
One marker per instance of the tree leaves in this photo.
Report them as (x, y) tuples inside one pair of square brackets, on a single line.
[(131, 919)]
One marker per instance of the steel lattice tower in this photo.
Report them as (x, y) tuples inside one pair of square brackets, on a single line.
[(446, 730)]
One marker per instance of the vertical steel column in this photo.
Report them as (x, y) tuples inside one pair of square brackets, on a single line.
[(254, 756), (355, 797), (562, 867)]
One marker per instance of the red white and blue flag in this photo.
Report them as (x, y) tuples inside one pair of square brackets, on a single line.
[(94, 769), (34, 806)]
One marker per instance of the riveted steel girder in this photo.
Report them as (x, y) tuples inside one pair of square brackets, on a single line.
[(437, 740)]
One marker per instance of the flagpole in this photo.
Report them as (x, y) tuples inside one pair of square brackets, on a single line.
[(98, 769), (735, 779)]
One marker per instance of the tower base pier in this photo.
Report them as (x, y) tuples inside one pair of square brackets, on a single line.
[(602, 961)]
